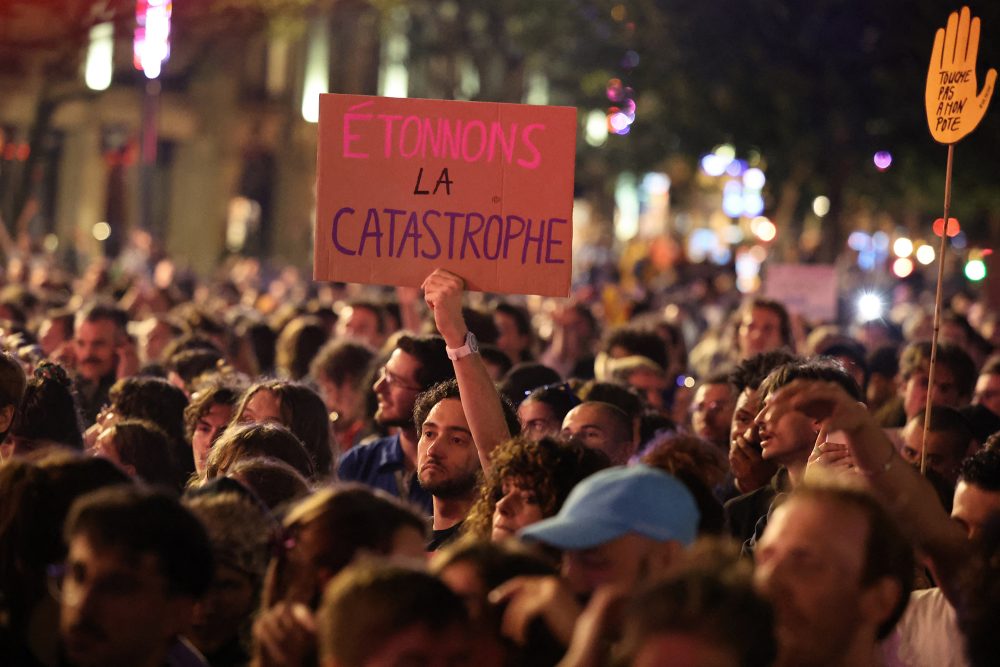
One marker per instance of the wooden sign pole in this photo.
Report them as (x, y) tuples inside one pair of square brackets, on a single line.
[(938, 298), (954, 109)]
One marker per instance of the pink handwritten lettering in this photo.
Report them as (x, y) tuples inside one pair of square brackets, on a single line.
[(415, 137), (350, 137), (526, 139), (388, 120), (467, 142)]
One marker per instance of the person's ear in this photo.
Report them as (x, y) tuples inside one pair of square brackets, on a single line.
[(879, 600), (6, 417), (666, 555)]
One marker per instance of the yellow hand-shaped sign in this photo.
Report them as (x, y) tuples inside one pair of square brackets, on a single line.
[(953, 107)]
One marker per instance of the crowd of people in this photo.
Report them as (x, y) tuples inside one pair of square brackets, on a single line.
[(258, 470)]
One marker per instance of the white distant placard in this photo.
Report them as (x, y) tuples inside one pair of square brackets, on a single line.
[(807, 289)]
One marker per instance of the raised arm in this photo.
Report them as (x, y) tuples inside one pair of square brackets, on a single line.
[(908, 497), (480, 400)]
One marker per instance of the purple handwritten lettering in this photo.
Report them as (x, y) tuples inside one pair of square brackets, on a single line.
[(372, 229), (508, 237), (432, 234), (551, 240), (469, 237), (529, 239), (492, 221), (333, 233)]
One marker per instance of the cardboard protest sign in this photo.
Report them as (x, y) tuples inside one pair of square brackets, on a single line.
[(807, 289), (953, 107), (484, 190)]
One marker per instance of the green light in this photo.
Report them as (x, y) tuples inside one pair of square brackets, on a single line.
[(975, 270)]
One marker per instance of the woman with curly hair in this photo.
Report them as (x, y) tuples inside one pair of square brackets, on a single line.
[(529, 481), (700, 466), (49, 414)]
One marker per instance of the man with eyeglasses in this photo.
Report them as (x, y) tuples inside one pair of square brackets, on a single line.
[(415, 365), (712, 411)]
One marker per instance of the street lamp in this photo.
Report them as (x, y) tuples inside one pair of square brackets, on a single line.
[(151, 44), (150, 49), (100, 56)]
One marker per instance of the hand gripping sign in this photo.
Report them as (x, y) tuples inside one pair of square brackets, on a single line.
[(484, 190)]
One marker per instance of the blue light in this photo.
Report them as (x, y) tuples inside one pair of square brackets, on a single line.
[(753, 203), (713, 165), (732, 205), (736, 168), (721, 255), (866, 259), (858, 241)]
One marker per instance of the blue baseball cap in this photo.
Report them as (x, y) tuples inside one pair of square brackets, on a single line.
[(619, 500)]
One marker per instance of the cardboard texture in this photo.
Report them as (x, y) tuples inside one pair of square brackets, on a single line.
[(484, 190), (807, 289), (953, 107)]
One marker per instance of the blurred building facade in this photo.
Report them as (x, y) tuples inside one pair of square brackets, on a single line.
[(230, 163)]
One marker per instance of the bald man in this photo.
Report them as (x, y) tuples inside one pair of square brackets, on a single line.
[(601, 426)]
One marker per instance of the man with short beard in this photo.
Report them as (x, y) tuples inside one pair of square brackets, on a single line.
[(415, 365), (448, 457), (389, 463), (459, 422), (99, 342)]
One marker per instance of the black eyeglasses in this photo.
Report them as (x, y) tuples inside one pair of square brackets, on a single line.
[(394, 380)]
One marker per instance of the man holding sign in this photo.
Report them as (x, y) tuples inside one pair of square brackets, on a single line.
[(458, 423), (409, 388)]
